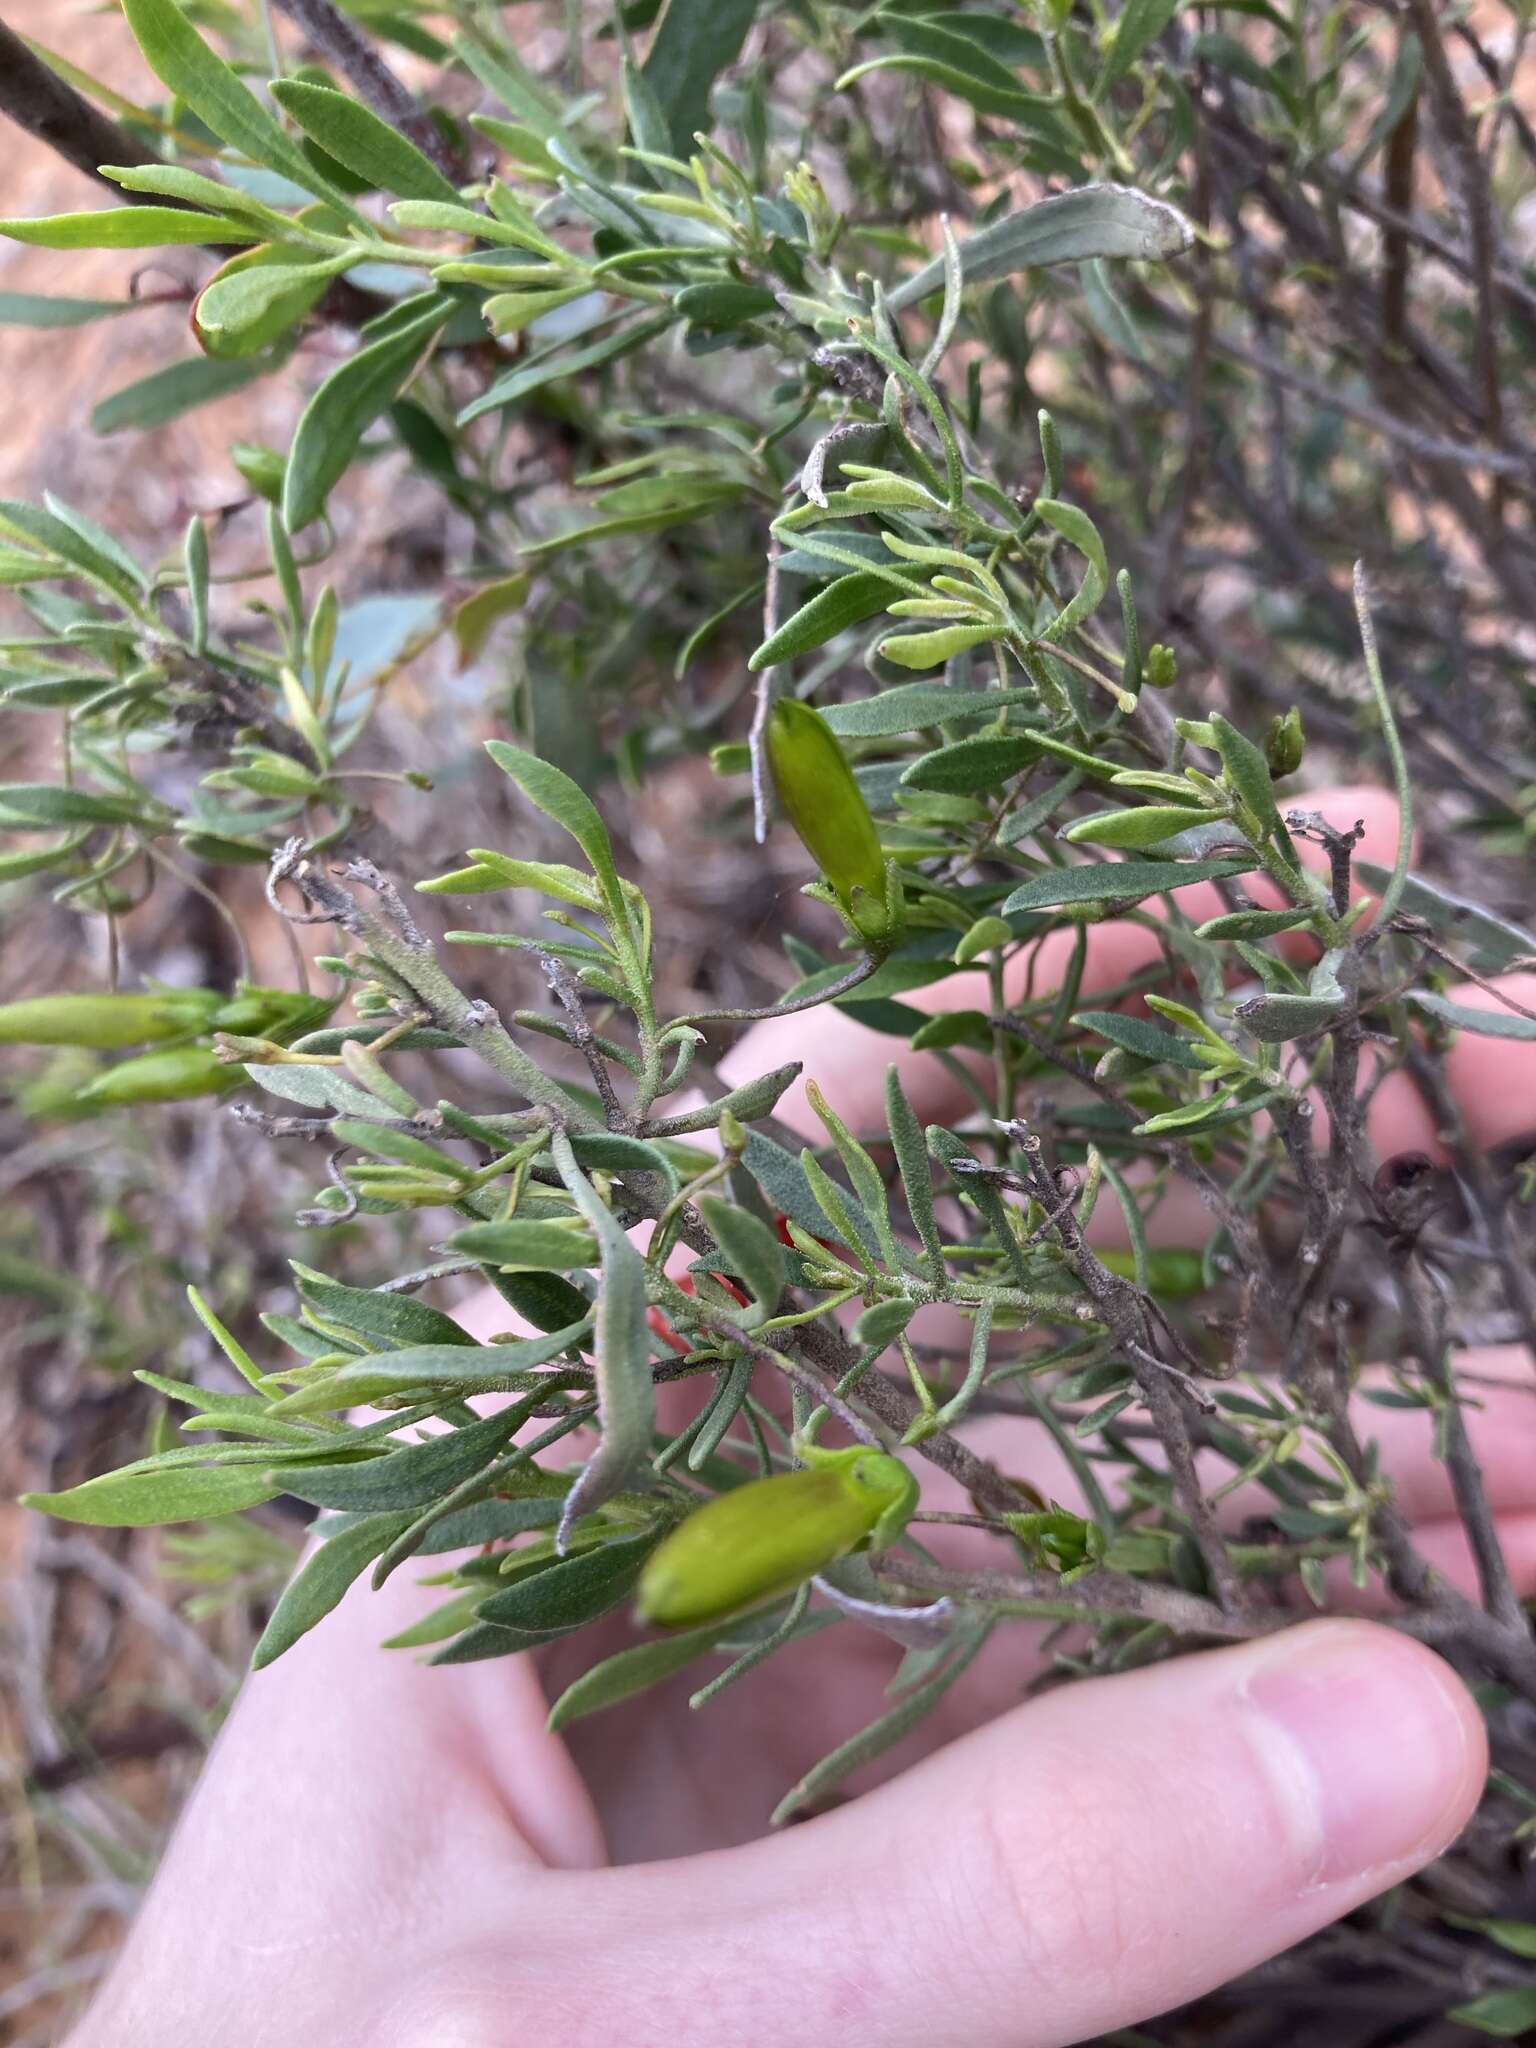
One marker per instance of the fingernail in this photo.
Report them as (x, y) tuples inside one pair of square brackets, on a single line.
[(1373, 1745)]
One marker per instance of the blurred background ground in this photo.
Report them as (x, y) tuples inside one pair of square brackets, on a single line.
[(113, 1674)]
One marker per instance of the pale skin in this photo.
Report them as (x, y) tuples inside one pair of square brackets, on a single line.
[(380, 1855)]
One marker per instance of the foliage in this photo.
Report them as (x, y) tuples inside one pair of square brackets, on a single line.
[(881, 518)]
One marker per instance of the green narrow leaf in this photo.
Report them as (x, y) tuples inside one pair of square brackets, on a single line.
[(553, 792), (751, 1249), (533, 1246), (1072, 227), (1252, 924), (644, 113), (128, 227), (33, 804), (1506, 2015), (1142, 825), (351, 398), (626, 1396), (1273, 1019), (359, 139), (793, 1624), (1248, 773), (882, 1323), (721, 1413), (880, 1735), (969, 767), (911, 706), (34, 309), (77, 541), (195, 564), (1116, 882), (697, 40), (912, 1159), (395, 1320), (180, 59), (1487, 943), (559, 363), (321, 1581), (1136, 1035), (1490, 1023), (232, 1349), (140, 1498), (1075, 525), (865, 1176), (927, 650), (479, 612), (573, 1591), (1141, 22), (413, 1476), (633, 1671), (841, 604), (724, 303), (437, 1370)]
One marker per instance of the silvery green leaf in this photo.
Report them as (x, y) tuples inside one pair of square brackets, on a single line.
[(1490, 1023), (1487, 943), (1072, 227), (626, 1397)]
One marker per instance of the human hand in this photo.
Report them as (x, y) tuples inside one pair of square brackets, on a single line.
[(384, 1855)]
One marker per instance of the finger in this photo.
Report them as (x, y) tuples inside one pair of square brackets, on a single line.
[(1096, 1857), (362, 1798), (848, 1061), (1446, 1549)]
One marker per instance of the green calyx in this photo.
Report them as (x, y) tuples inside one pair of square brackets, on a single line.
[(173, 1075), (827, 809), (765, 1539), (105, 1023)]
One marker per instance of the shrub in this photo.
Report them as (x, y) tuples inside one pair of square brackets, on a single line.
[(729, 377)]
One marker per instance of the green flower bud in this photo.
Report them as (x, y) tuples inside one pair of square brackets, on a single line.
[(1161, 667), (827, 808), (262, 468), (1057, 1540), (762, 1540), (105, 1022), (277, 1013), (1285, 743), (173, 1075)]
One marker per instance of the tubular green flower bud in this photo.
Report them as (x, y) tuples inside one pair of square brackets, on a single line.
[(1285, 743), (270, 1012), (169, 1076), (766, 1538), (106, 1022), (261, 467), (827, 808), (1161, 667)]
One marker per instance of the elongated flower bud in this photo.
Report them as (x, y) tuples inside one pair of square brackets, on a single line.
[(768, 1537), (170, 1076), (270, 1012), (826, 807), (1285, 743), (106, 1022)]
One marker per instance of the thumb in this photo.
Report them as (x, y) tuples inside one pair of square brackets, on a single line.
[(1091, 1859)]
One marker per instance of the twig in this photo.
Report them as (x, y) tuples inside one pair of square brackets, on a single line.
[(584, 1038), (339, 40), (1455, 125), (1119, 1305), (39, 101)]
